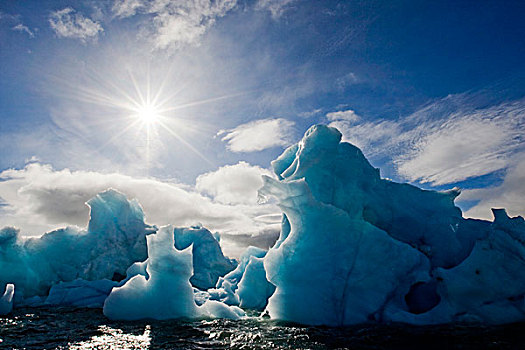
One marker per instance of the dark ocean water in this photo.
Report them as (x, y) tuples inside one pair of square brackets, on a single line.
[(88, 329)]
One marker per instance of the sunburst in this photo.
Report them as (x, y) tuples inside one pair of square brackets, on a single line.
[(145, 112), (137, 109)]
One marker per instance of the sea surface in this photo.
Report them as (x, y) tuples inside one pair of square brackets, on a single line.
[(67, 328)]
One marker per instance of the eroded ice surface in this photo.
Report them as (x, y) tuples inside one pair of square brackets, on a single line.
[(357, 248), (165, 292), (227, 286), (209, 263), (80, 293), (254, 289), (115, 238)]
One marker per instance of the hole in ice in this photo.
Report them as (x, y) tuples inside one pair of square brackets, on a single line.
[(422, 297)]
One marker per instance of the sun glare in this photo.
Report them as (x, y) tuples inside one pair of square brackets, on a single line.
[(148, 114), (147, 110)]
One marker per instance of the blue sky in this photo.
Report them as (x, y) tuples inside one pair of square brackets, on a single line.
[(432, 92)]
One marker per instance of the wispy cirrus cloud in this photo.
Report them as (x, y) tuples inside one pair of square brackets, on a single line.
[(175, 23), (127, 8), (311, 113), (346, 115), (346, 80), (67, 23), (371, 137), (450, 141), (276, 7), (24, 29), (443, 143), (463, 147), (259, 135), (510, 194), (16, 24)]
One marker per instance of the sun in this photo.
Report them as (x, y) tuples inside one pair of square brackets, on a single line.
[(148, 114), (148, 111)]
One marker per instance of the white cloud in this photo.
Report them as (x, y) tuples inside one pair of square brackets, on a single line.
[(450, 141), (127, 8), (24, 29), (176, 23), (9, 18), (69, 24), (276, 7), (371, 137), (38, 198), (443, 143), (347, 80), (233, 184), (259, 135), (510, 194), (463, 147), (464, 144), (348, 115), (312, 113), (15, 21)]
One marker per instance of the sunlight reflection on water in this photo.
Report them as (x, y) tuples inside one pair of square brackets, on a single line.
[(114, 338), (63, 328)]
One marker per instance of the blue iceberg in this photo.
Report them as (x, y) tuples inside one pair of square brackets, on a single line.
[(114, 239), (246, 286), (209, 263), (166, 291), (357, 248), (353, 248), (80, 293), (74, 267)]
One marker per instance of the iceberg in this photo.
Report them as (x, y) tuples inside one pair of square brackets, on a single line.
[(254, 289), (225, 293), (353, 248), (114, 239), (227, 286), (357, 248), (209, 263), (235, 276), (80, 293), (166, 292), (79, 268)]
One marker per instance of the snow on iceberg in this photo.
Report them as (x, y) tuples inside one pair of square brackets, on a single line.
[(357, 248), (115, 238), (166, 292)]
